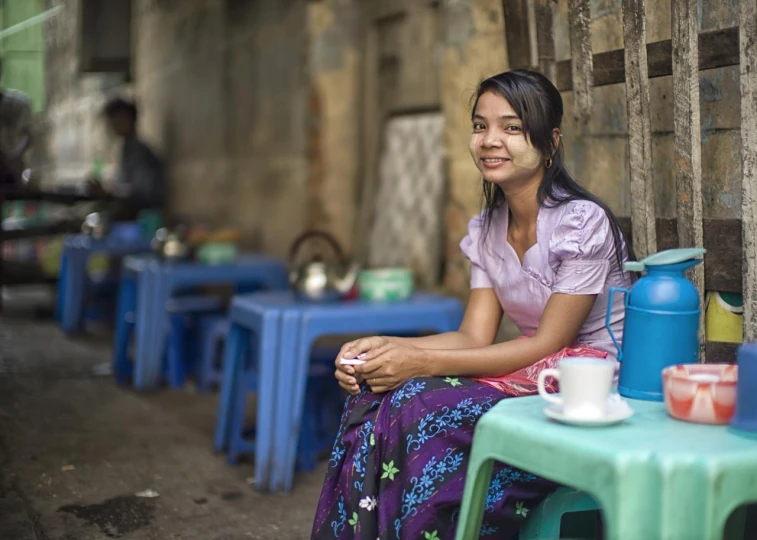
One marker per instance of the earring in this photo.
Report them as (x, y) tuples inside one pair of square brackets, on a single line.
[(549, 163)]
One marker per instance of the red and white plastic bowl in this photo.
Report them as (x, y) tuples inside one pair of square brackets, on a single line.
[(701, 393)]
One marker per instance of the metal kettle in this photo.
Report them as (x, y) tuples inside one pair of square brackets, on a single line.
[(96, 225), (171, 245), (317, 280)]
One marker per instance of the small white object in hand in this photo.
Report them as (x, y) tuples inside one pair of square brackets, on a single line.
[(351, 361)]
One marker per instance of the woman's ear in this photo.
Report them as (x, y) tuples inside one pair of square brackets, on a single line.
[(556, 136)]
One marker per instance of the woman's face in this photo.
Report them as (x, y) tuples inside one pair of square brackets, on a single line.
[(498, 145)]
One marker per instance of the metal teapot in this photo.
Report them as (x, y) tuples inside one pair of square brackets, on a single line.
[(96, 225), (317, 280), (171, 245)]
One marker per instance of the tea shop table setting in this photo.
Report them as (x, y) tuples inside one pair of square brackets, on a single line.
[(185, 258), (667, 448)]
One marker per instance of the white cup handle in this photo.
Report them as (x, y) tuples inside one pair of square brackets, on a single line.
[(543, 391)]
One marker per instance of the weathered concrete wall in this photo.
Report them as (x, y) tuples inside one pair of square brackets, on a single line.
[(474, 48), (253, 105), (598, 153), (223, 90), (72, 134), (334, 112)]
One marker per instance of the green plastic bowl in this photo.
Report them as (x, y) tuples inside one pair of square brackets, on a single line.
[(385, 284), (217, 253)]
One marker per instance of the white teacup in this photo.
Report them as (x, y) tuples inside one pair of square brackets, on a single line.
[(585, 385)]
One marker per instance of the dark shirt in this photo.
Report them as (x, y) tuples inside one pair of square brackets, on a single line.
[(141, 173)]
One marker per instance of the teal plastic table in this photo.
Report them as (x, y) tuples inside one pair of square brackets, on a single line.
[(653, 477)]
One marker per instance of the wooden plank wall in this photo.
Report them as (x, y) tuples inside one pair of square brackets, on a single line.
[(687, 150), (731, 259), (748, 73), (717, 48), (639, 128), (546, 38)]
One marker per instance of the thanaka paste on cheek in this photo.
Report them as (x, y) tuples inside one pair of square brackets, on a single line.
[(523, 154)]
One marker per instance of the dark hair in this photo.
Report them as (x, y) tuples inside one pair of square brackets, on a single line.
[(539, 106), (120, 106)]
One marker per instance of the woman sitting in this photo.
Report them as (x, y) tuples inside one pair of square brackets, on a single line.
[(545, 251)]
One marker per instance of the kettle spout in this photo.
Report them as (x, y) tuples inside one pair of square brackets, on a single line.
[(345, 283)]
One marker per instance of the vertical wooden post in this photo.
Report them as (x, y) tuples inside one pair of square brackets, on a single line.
[(748, 74), (581, 63), (533, 42), (545, 38), (639, 128), (688, 163)]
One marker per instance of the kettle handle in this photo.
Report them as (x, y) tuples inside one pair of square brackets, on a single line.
[(297, 244), (608, 323)]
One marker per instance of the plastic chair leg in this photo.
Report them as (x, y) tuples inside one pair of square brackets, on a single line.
[(177, 351), (546, 519), (234, 352)]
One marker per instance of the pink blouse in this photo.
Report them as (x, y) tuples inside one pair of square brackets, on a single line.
[(574, 254)]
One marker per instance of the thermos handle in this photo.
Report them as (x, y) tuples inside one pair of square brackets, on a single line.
[(609, 314)]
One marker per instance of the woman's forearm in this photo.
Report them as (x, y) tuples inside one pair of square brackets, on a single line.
[(448, 340), (488, 361)]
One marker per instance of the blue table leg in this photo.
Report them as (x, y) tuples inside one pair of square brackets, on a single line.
[(60, 300), (125, 322), (144, 324), (161, 294), (231, 357), (149, 365), (268, 359), (75, 286), (293, 360)]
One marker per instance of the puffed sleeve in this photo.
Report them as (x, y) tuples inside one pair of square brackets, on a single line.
[(581, 249), (471, 247)]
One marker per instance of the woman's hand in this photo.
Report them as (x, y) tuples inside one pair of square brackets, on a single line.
[(392, 364), (364, 348), (345, 375)]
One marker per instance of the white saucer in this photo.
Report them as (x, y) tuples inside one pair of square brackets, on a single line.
[(617, 411)]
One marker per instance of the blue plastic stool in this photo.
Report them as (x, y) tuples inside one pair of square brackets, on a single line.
[(183, 315), (176, 358), (309, 322), (213, 332), (319, 423), (167, 277), (544, 522), (73, 282)]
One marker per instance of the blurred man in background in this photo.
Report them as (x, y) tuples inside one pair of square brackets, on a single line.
[(139, 182)]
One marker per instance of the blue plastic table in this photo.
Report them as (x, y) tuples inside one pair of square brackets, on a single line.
[(77, 250), (652, 476), (167, 277), (286, 331)]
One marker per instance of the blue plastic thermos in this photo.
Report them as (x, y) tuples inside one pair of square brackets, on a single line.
[(661, 326)]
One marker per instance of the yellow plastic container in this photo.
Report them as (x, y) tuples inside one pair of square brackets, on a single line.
[(724, 317)]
